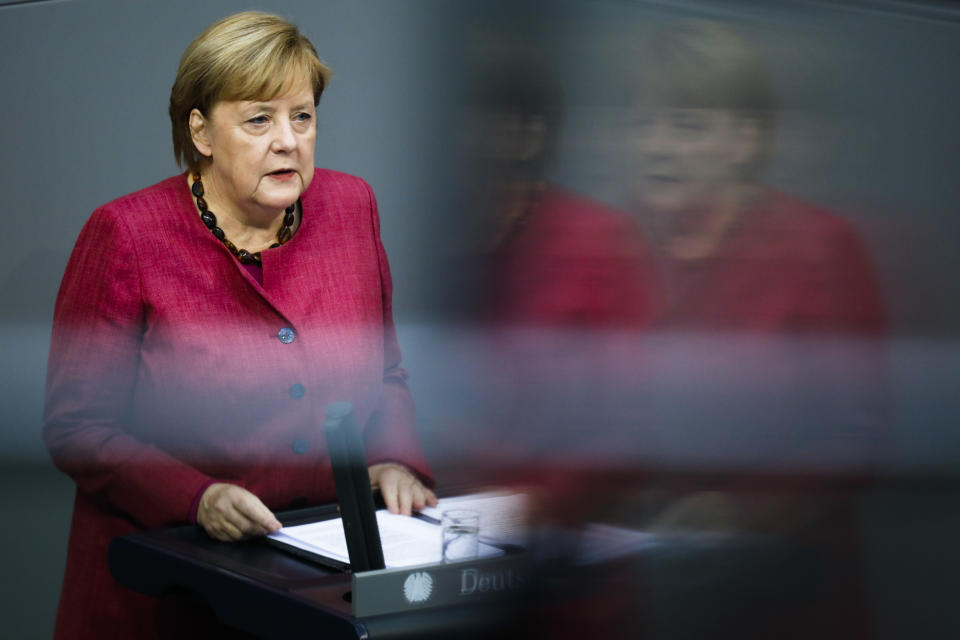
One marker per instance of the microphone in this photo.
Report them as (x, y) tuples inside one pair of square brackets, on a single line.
[(352, 480)]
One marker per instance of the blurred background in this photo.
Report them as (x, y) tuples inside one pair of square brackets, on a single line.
[(479, 122)]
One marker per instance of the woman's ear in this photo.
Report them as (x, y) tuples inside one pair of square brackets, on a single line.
[(199, 132)]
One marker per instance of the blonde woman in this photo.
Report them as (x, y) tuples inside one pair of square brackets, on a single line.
[(204, 323)]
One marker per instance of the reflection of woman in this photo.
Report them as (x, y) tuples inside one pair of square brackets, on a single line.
[(734, 254), (205, 322), (766, 359), (559, 272), (737, 261)]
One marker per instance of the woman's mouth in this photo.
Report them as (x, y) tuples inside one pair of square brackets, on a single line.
[(282, 174)]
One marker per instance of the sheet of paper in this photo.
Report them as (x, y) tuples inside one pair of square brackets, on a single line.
[(406, 541), (502, 514)]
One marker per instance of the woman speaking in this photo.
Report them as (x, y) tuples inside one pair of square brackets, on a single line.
[(204, 323)]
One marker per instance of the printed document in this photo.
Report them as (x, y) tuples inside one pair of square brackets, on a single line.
[(409, 541)]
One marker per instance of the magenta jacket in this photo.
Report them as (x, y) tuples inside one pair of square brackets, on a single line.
[(171, 368)]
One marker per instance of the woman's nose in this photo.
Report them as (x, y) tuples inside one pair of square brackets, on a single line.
[(284, 138), (656, 141)]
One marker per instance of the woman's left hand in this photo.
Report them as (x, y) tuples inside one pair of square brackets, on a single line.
[(401, 490)]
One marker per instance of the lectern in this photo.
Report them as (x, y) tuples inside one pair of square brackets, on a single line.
[(266, 591)]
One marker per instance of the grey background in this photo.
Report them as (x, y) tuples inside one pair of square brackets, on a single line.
[(869, 128)]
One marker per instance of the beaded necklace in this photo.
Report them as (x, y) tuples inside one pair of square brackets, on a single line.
[(245, 257)]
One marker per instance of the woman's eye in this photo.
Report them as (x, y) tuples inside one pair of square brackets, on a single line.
[(258, 120), (303, 116)]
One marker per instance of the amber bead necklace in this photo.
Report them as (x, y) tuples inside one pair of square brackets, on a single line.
[(245, 257)]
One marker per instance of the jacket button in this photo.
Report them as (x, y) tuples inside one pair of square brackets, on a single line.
[(300, 446), (297, 390), (286, 335)]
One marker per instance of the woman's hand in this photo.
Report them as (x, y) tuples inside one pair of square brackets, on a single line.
[(401, 490), (228, 513)]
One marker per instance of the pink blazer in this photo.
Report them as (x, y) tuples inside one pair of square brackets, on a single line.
[(171, 368)]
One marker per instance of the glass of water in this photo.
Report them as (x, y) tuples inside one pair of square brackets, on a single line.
[(461, 534)]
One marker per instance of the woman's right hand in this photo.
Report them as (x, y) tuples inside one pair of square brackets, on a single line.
[(229, 513)]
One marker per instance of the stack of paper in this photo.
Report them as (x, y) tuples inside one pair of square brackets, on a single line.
[(409, 541)]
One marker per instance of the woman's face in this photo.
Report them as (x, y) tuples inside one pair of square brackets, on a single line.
[(261, 152), (688, 157)]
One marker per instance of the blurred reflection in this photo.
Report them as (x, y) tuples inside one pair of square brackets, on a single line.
[(767, 303), (705, 367), (757, 390), (555, 272)]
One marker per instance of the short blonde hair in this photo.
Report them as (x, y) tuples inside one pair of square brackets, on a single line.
[(246, 56), (703, 64)]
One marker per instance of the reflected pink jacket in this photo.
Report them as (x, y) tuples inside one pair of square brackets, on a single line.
[(171, 367)]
